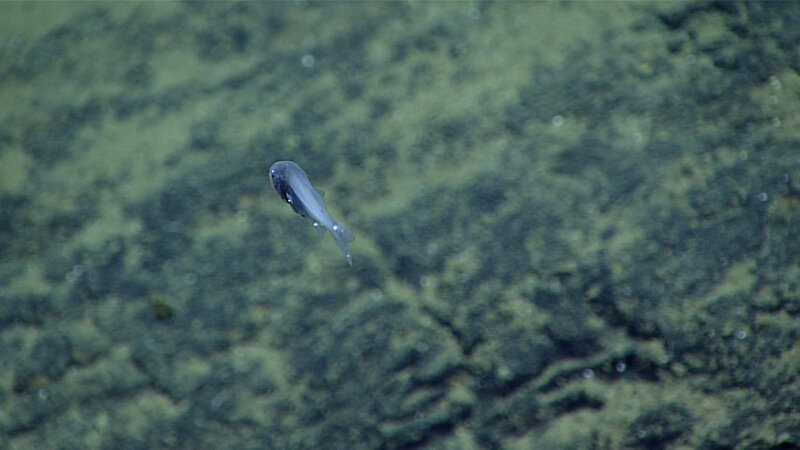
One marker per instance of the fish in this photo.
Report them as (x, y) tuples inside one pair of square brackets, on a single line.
[(293, 186)]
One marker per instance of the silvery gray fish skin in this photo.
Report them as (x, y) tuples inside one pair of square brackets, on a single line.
[(292, 184)]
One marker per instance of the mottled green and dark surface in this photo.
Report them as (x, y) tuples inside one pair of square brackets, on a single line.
[(577, 225)]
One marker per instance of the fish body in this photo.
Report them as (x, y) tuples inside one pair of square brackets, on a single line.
[(293, 186)]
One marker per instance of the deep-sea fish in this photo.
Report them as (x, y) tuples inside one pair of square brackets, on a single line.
[(292, 184)]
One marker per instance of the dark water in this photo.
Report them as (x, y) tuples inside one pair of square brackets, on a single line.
[(577, 225)]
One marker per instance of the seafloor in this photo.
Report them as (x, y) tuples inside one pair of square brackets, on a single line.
[(577, 225)]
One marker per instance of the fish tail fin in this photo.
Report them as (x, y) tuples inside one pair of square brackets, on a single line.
[(342, 236)]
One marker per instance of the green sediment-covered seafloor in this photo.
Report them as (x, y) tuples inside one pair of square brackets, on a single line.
[(577, 225)]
